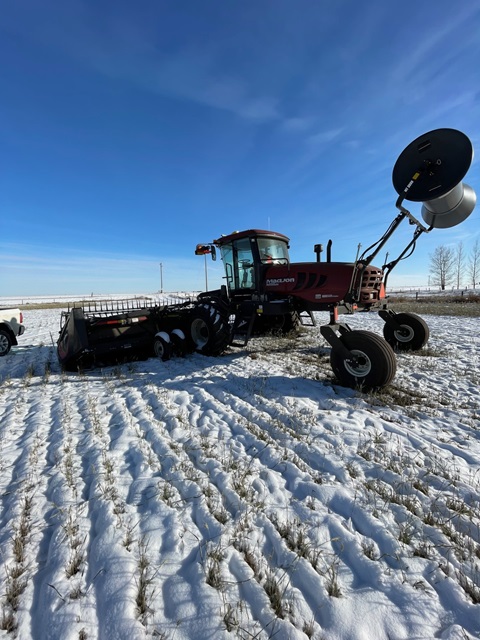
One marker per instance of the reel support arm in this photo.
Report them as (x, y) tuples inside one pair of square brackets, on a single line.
[(430, 170)]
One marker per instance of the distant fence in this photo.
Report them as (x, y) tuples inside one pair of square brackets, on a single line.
[(432, 291)]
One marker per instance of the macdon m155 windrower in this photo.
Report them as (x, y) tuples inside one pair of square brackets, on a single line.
[(265, 291)]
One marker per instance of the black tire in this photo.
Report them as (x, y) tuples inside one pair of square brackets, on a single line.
[(5, 342), (179, 342), (162, 348), (414, 334), (209, 331), (279, 324), (291, 322), (375, 365)]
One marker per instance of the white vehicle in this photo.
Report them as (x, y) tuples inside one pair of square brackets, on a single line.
[(11, 326)]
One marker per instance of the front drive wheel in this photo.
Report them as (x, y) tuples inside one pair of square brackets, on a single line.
[(413, 335), (209, 329), (5, 342), (373, 364)]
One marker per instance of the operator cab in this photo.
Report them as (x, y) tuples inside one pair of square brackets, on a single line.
[(246, 254)]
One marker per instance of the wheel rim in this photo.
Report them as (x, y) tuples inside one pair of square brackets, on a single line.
[(405, 335), (159, 348), (199, 331), (362, 365), (3, 344)]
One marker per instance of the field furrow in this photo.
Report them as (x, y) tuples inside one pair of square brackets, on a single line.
[(240, 496)]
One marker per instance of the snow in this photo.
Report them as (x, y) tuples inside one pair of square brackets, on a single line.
[(244, 496)]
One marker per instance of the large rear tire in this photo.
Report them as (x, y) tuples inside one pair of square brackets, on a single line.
[(413, 336), (209, 330), (373, 365)]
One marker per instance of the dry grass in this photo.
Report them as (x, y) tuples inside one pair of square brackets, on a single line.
[(455, 305)]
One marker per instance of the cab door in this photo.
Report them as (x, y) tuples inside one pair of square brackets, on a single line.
[(239, 265)]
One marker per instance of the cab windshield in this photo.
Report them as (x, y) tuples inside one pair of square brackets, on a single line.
[(273, 251), (240, 258)]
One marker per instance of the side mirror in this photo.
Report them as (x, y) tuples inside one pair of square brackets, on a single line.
[(430, 170), (205, 249)]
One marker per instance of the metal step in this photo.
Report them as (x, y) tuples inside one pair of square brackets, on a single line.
[(243, 321), (307, 319)]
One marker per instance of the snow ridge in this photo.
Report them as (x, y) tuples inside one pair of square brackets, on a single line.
[(242, 496)]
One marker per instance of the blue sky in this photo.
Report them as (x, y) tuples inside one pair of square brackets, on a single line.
[(131, 131)]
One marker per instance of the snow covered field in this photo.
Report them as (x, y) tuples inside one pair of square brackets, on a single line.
[(245, 496)]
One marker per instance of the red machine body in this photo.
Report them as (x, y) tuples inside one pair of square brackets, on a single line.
[(257, 262), (321, 284)]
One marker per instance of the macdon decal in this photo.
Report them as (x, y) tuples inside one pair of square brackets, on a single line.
[(274, 281)]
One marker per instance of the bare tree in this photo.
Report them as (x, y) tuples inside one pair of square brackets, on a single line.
[(474, 264), (442, 266), (459, 262)]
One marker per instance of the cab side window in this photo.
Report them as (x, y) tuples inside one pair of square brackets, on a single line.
[(244, 277)]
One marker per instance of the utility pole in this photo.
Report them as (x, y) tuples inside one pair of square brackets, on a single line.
[(161, 277)]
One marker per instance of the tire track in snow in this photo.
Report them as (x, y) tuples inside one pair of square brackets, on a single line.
[(190, 440), (28, 502), (389, 548), (64, 598), (183, 580), (389, 551), (179, 525), (112, 569), (194, 403), (113, 438), (14, 432), (265, 425)]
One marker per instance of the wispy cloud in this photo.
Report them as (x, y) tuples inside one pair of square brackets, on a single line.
[(315, 146), (118, 48), (190, 74), (433, 50), (298, 124), (318, 140)]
